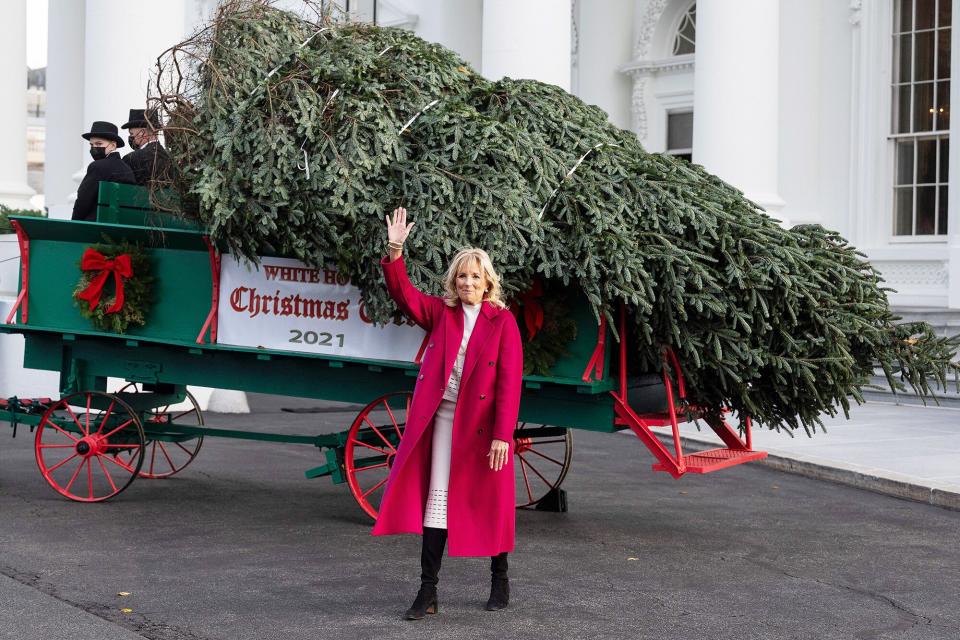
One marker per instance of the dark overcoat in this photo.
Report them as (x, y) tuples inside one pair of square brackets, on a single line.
[(149, 162), (110, 169)]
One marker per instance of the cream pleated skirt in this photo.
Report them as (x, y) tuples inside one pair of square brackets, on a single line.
[(435, 513)]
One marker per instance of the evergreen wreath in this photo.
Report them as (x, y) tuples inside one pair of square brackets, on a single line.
[(98, 305), (544, 340)]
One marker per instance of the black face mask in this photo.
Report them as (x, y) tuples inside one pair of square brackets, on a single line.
[(132, 143), (98, 153)]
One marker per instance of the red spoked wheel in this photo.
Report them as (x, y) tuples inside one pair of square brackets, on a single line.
[(372, 443), (542, 459), (167, 451), (79, 444)]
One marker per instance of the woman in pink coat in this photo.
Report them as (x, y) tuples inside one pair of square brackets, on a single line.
[(452, 478)]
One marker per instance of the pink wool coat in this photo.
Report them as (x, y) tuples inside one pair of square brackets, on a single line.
[(480, 501)]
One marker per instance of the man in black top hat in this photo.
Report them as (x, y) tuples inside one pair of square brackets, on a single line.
[(149, 160), (107, 166)]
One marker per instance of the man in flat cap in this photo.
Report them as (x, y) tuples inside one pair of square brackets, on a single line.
[(149, 160), (107, 166)]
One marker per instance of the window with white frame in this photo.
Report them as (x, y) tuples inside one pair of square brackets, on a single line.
[(921, 116), (686, 39), (680, 122), (680, 134)]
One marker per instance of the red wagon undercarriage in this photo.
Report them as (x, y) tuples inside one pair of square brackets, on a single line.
[(676, 462)]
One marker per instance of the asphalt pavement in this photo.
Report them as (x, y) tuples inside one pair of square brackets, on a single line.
[(240, 545)]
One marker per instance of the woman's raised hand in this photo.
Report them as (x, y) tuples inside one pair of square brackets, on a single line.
[(397, 227)]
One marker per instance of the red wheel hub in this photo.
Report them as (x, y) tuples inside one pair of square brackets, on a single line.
[(92, 445)]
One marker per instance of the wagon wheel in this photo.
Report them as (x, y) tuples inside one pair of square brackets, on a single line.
[(89, 446), (171, 452), (542, 459), (372, 443)]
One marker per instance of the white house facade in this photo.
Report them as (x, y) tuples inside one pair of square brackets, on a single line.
[(834, 112)]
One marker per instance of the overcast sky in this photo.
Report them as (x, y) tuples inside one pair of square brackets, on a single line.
[(37, 33)]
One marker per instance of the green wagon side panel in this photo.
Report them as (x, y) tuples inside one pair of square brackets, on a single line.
[(114, 195), (129, 204), (581, 349), (182, 286), (95, 357), (560, 406)]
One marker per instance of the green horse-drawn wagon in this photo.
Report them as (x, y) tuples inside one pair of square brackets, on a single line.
[(91, 443)]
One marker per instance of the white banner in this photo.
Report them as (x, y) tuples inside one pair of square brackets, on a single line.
[(287, 306)]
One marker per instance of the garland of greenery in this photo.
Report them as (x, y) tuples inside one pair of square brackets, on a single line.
[(137, 290), (6, 212)]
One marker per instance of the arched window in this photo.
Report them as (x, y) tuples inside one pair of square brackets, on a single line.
[(686, 39)]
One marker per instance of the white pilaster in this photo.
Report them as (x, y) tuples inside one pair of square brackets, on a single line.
[(736, 88), (455, 25), (527, 39), (65, 150), (14, 191), (123, 41), (953, 196)]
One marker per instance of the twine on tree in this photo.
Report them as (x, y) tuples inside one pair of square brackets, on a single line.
[(570, 173), (305, 165), (417, 115), (280, 66), (306, 159)]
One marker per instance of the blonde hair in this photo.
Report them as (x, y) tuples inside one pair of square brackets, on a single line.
[(470, 254)]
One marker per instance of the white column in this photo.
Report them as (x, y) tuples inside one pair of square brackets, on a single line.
[(455, 25), (953, 188), (527, 39), (123, 41), (65, 150), (736, 88), (14, 191)]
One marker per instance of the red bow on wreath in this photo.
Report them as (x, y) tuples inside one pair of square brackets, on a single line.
[(120, 267), (532, 309)]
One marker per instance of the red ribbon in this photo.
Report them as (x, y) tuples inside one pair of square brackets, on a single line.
[(532, 309), (120, 267)]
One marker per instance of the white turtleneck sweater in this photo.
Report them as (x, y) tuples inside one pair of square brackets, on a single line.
[(470, 313)]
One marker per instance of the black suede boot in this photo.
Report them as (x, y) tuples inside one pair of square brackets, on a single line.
[(499, 583), (425, 602), (434, 540)]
